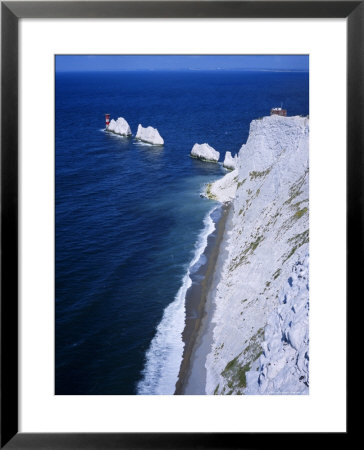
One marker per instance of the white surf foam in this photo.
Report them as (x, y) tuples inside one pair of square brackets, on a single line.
[(143, 144), (164, 356), (115, 135)]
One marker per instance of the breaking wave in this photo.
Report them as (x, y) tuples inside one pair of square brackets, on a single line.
[(164, 356)]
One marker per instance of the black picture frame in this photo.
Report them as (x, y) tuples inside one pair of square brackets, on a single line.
[(11, 12)]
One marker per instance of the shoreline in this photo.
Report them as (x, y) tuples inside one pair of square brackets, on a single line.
[(199, 309)]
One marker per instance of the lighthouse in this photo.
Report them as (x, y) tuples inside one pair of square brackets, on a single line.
[(107, 120)]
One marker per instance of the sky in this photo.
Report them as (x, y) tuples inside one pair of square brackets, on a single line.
[(82, 63)]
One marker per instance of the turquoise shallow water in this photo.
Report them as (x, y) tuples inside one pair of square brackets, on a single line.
[(129, 217)]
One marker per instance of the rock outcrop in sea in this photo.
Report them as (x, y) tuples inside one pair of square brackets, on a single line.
[(260, 336), (149, 135), (205, 152), (229, 161), (119, 126)]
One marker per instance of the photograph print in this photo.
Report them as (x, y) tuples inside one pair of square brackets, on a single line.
[(182, 224)]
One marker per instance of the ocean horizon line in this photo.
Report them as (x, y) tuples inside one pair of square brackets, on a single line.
[(218, 69)]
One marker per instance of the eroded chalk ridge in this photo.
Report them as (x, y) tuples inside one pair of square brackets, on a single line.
[(283, 366), (260, 336)]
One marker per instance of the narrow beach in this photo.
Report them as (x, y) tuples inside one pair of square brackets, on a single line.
[(197, 334)]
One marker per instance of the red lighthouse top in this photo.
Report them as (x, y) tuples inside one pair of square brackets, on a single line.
[(107, 119)]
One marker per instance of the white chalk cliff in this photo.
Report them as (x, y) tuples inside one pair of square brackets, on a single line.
[(149, 135), (224, 189), (230, 162), (205, 152), (260, 335), (119, 126), (283, 365)]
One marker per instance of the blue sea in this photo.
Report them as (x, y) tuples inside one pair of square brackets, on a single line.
[(130, 222)]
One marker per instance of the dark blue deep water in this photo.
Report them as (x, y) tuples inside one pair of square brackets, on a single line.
[(128, 216)]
